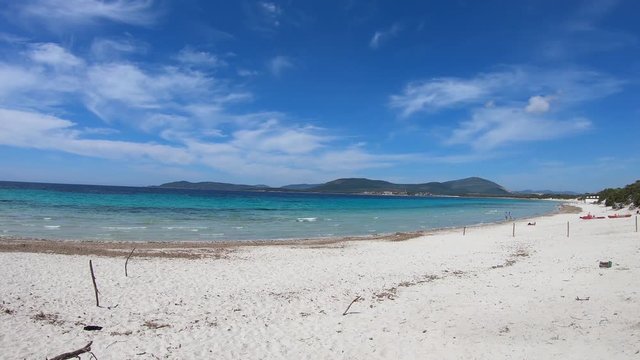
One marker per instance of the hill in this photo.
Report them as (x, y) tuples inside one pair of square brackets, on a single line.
[(468, 186)]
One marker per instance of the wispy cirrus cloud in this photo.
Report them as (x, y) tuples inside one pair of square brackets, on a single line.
[(108, 49), (382, 36), (518, 104), (54, 55), (190, 56), (510, 85), (65, 13), (264, 16), (265, 150), (183, 114), (39, 131), (493, 127)]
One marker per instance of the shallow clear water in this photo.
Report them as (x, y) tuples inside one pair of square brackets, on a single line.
[(86, 212)]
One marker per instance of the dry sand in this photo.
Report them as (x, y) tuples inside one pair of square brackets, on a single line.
[(485, 295)]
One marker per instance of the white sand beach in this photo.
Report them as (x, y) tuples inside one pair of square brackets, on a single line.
[(484, 295)]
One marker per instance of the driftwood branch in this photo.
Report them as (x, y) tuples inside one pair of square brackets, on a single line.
[(95, 287), (74, 354), (582, 299), (126, 262), (349, 307)]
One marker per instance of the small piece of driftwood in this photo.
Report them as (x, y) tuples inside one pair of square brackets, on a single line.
[(127, 262), (74, 354), (95, 287), (582, 299), (348, 307)]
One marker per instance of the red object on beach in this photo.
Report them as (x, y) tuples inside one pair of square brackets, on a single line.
[(615, 216), (591, 217)]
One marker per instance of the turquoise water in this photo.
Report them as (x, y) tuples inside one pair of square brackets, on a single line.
[(83, 212)]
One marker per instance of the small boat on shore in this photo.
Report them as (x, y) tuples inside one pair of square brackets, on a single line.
[(591, 217), (615, 216)]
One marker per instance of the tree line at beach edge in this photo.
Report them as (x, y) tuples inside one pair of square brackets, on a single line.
[(621, 197)]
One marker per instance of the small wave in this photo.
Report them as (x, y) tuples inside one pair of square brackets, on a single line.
[(238, 227), (47, 218), (307, 219), (52, 226), (189, 228), (124, 227)]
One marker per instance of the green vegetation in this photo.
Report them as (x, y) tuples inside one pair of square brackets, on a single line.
[(627, 195)]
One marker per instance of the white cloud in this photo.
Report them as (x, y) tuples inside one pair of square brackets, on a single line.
[(382, 36), (567, 87), (12, 39), (537, 104), (54, 55), (184, 110), (440, 93), (16, 79), (109, 49), (264, 16), (490, 128), (279, 64), (270, 136), (39, 131), (194, 57), (271, 10), (61, 13), (125, 84)]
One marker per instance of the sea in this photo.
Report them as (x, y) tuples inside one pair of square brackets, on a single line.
[(108, 213)]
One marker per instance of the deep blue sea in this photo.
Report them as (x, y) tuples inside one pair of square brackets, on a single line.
[(87, 212)]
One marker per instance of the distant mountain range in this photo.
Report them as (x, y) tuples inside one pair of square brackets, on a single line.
[(468, 186)]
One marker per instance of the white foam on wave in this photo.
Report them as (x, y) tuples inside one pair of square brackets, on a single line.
[(47, 218), (188, 228), (307, 219), (52, 226), (124, 227)]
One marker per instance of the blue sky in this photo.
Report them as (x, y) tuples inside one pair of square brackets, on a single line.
[(530, 94)]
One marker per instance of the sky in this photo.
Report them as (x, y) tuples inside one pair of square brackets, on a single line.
[(531, 94)]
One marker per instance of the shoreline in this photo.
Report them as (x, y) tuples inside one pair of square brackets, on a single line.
[(197, 249)]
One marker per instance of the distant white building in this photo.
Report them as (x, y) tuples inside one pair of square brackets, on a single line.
[(591, 199)]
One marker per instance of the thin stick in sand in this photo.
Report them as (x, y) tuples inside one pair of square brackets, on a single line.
[(95, 287), (75, 353), (126, 262), (349, 307)]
